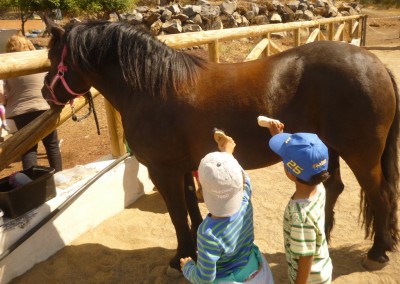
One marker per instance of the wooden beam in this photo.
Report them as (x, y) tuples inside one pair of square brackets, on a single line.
[(24, 139), (23, 63), (339, 32), (354, 31), (257, 50), (274, 46), (313, 35), (205, 37)]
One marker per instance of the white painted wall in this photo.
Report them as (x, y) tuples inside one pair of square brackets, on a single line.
[(110, 194)]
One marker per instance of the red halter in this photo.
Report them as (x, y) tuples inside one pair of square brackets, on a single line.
[(62, 68)]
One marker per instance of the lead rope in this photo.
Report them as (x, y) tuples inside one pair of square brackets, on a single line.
[(94, 113), (91, 109)]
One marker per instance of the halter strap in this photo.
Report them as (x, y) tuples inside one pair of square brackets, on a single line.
[(62, 68)]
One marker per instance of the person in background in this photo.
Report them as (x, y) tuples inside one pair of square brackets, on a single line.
[(24, 103), (305, 159), (2, 108)]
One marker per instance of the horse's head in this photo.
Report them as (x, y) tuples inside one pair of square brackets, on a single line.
[(64, 81)]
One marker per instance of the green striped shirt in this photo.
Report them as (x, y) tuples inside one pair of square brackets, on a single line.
[(304, 235)]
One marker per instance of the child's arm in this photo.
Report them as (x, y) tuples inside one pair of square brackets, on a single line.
[(304, 269), (274, 125)]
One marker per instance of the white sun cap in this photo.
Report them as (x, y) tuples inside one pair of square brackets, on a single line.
[(221, 180)]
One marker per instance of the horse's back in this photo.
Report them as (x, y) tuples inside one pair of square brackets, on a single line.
[(341, 78), (340, 91)]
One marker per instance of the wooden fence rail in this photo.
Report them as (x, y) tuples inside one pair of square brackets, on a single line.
[(30, 62)]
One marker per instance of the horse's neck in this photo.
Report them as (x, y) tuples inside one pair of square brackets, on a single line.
[(114, 88)]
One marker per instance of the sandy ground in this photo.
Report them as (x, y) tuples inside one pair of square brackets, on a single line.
[(135, 245)]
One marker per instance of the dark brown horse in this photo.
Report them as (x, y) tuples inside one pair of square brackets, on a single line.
[(170, 102)]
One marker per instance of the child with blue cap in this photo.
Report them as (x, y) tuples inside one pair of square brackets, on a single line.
[(305, 159)]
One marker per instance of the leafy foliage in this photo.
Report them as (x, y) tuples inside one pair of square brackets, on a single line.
[(103, 8)]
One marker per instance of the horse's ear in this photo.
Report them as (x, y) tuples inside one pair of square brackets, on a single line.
[(52, 28)]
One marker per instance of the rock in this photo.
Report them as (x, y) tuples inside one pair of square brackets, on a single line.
[(191, 28), (228, 7), (191, 10), (149, 19), (172, 27), (274, 18), (166, 15)]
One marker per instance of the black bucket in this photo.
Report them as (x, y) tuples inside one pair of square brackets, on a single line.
[(15, 201)]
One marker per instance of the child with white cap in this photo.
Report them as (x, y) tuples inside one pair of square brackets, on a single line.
[(225, 238), (305, 159)]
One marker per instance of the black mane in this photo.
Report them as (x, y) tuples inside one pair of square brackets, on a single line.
[(147, 64)]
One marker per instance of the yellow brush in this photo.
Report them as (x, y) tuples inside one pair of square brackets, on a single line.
[(219, 136)]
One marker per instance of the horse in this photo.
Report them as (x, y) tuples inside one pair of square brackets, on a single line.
[(170, 101)]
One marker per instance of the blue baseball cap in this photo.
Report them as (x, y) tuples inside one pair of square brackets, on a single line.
[(303, 154)]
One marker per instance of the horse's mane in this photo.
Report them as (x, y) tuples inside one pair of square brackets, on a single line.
[(147, 64)]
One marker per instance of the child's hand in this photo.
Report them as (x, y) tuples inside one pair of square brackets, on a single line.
[(184, 260), (227, 145), (275, 127)]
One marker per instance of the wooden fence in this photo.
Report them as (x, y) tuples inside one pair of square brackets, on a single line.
[(350, 29)]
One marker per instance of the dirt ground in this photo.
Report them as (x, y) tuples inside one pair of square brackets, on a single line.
[(120, 250)]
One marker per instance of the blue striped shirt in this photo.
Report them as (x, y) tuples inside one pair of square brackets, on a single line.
[(224, 244)]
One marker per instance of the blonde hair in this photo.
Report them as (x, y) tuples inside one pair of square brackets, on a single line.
[(19, 43)]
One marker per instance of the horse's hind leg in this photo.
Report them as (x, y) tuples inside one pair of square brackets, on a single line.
[(334, 187), (192, 204), (377, 209), (171, 187)]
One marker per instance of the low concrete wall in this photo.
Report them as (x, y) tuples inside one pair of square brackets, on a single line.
[(110, 194)]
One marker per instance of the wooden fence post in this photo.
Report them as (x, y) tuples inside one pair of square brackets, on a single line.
[(116, 131), (268, 49), (213, 51), (297, 39), (330, 31)]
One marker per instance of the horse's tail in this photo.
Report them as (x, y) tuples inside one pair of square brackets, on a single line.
[(390, 169)]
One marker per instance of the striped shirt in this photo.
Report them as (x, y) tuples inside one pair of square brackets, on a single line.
[(224, 244), (304, 235)]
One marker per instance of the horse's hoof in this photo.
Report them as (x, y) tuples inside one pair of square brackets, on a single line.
[(173, 273), (372, 265)]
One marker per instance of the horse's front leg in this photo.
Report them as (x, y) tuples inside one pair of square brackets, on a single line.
[(170, 184), (192, 204)]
